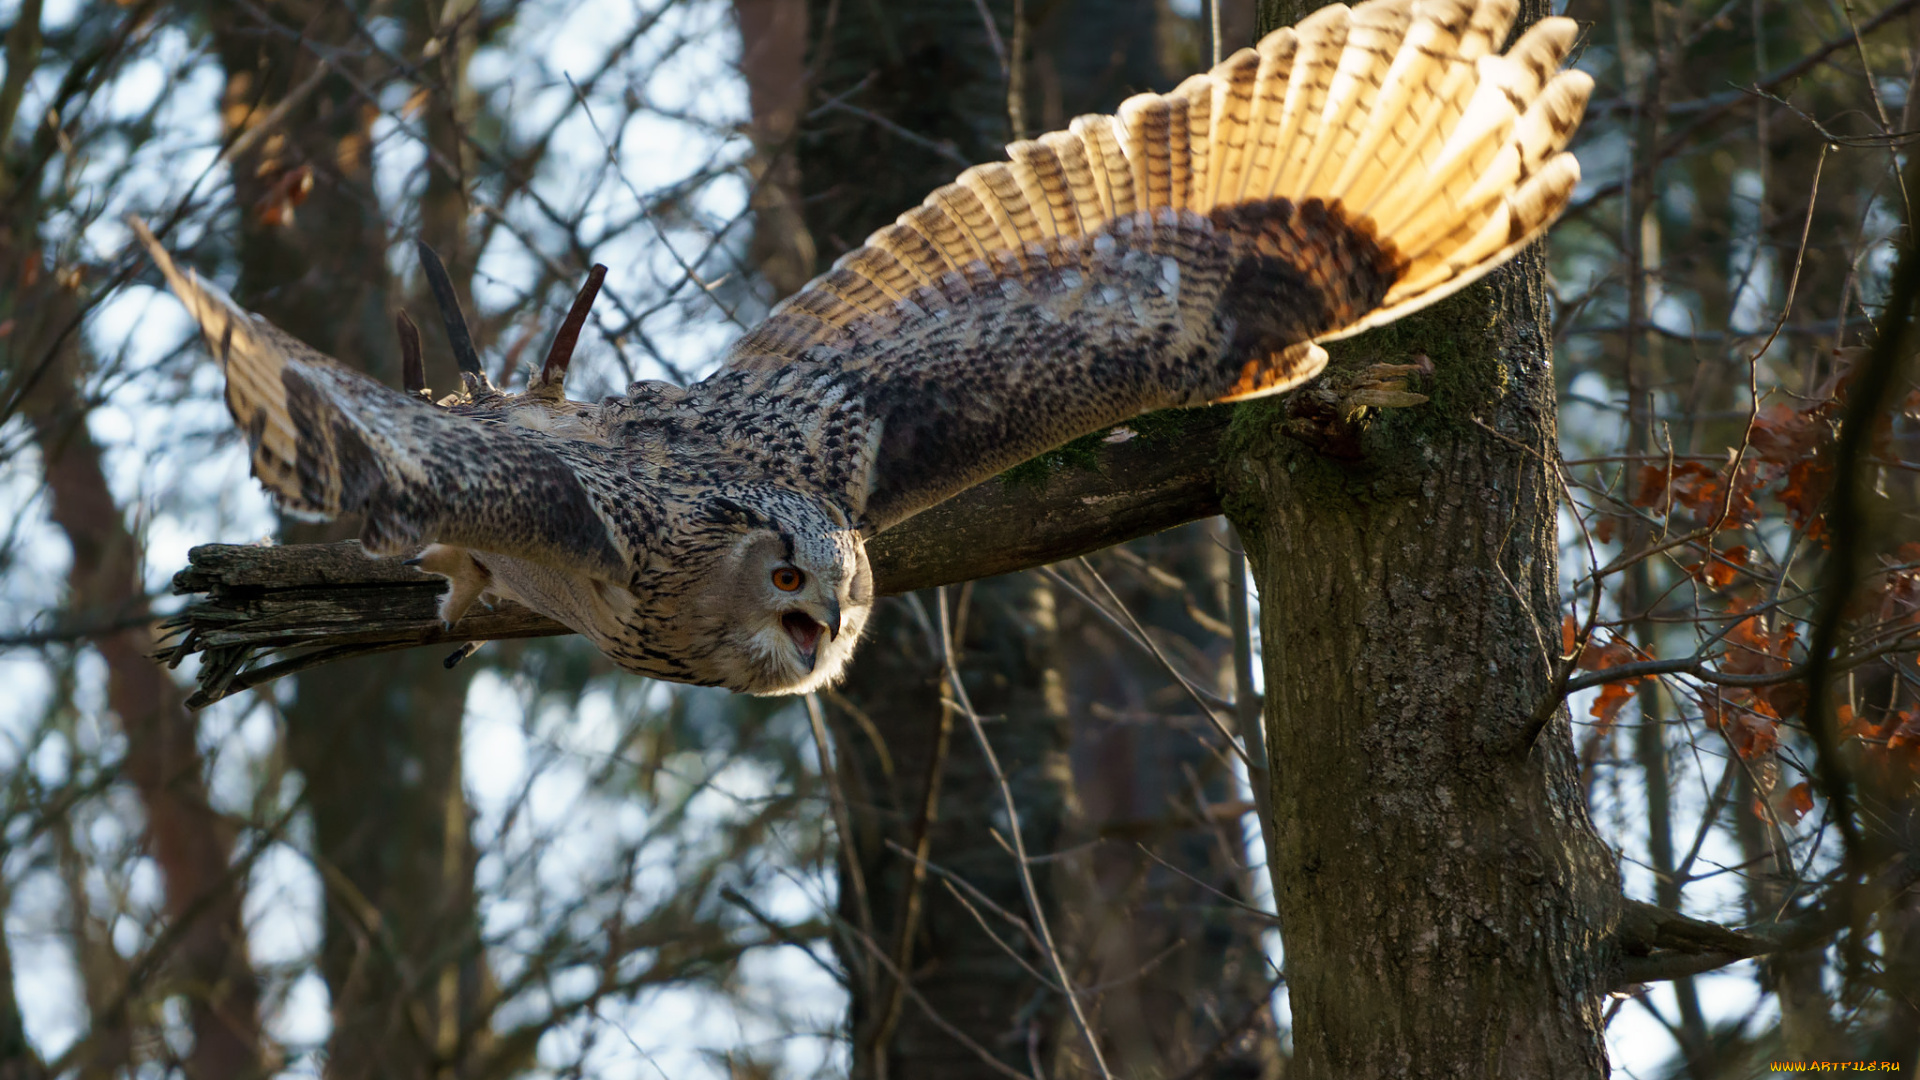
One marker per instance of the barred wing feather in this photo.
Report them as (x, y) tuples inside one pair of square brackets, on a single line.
[(1195, 247), (327, 441)]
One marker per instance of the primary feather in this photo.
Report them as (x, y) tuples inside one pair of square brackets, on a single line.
[(1195, 247)]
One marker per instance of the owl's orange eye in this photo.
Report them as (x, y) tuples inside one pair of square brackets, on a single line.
[(787, 579)]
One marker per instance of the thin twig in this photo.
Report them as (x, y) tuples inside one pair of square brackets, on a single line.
[(1041, 930), (1219, 725), (842, 820)]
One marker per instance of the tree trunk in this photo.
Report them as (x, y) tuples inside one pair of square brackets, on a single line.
[(924, 784), (773, 55), (377, 739), (1444, 900), (915, 774), (1187, 970), (916, 778)]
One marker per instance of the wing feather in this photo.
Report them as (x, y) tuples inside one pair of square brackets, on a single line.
[(1194, 247), (328, 441)]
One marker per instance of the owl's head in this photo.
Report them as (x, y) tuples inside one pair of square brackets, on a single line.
[(788, 598)]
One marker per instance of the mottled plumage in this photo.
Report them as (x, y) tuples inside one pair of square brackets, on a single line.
[(1192, 249)]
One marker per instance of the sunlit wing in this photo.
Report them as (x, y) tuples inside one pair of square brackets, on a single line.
[(1194, 248)]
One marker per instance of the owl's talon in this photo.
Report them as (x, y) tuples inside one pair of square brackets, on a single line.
[(460, 654), (415, 561)]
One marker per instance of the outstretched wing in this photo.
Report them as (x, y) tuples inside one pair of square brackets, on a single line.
[(328, 441), (1192, 249)]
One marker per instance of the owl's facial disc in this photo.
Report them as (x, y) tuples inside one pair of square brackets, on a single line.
[(810, 585), (797, 600)]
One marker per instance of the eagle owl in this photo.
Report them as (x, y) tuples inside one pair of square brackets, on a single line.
[(1194, 248)]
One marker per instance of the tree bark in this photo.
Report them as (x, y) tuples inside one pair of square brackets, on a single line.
[(377, 740), (1446, 904), (773, 60)]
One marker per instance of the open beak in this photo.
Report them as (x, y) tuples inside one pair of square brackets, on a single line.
[(833, 619), (805, 632)]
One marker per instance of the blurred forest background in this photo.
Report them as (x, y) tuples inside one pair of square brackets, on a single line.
[(532, 864)]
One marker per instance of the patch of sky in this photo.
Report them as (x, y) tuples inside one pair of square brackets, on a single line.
[(1638, 1042), (301, 1017), (96, 731), (696, 81), (1893, 92), (786, 981), (683, 1033), (1880, 228), (1604, 158), (1680, 205), (238, 739), (1592, 416), (493, 751), (1750, 263), (1641, 1044), (47, 981), (39, 557), (29, 689), (283, 906)]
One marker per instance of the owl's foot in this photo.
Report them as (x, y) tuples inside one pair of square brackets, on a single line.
[(467, 580)]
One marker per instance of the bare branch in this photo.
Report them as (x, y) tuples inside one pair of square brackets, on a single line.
[(1660, 944)]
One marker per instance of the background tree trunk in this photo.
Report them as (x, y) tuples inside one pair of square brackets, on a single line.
[(1174, 974), (913, 772), (377, 740), (1444, 899)]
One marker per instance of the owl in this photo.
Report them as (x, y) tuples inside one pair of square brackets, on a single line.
[(1197, 247)]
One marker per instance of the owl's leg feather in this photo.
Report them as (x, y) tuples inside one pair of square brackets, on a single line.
[(467, 580)]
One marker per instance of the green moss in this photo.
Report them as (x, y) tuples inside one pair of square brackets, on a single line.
[(1157, 428), (1459, 335)]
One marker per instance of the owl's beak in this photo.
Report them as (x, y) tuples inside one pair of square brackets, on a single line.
[(833, 619), (805, 632)]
